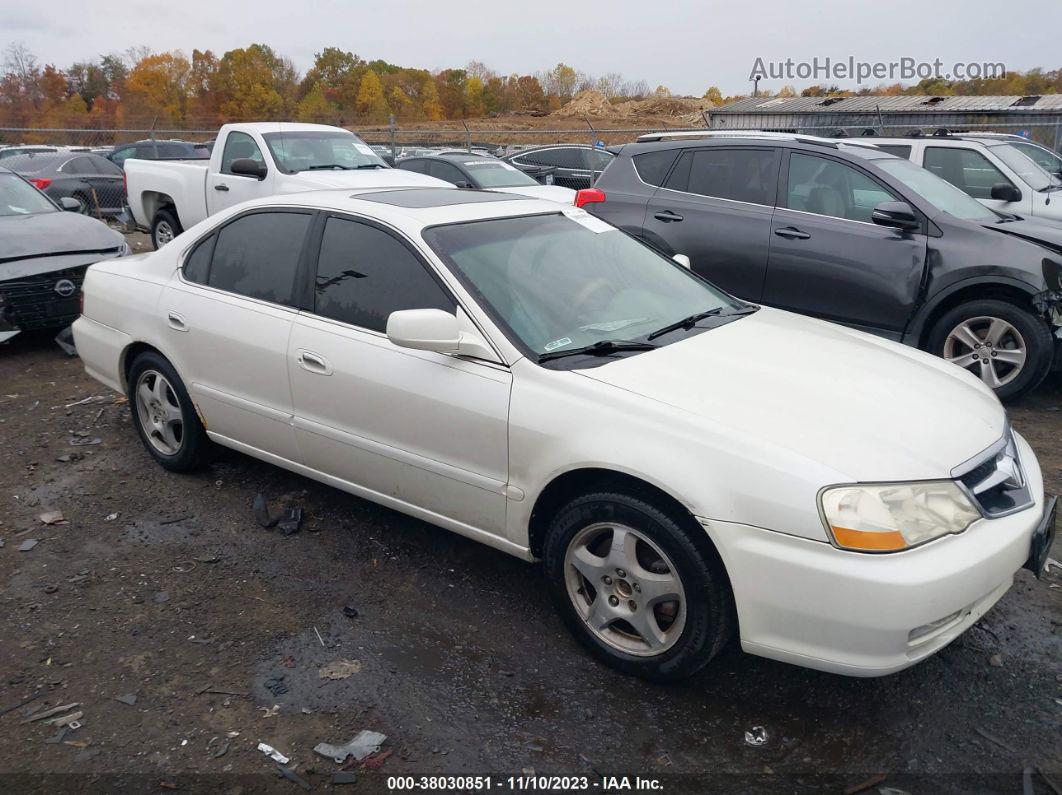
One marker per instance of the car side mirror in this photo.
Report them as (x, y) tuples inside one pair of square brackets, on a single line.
[(435, 330), (248, 167), (70, 204), (1005, 192), (896, 215), (464, 184), (683, 260)]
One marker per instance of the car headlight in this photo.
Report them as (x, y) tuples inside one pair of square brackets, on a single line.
[(894, 516)]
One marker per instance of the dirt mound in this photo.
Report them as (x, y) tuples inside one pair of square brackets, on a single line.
[(585, 103), (594, 103)]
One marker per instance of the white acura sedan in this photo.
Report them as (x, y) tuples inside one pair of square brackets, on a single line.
[(686, 465)]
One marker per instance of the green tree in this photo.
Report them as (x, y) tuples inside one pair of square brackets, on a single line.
[(315, 107)]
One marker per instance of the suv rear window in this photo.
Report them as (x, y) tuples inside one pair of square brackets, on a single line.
[(652, 167)]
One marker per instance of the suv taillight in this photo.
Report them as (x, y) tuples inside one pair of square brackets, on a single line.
[(589, 196)]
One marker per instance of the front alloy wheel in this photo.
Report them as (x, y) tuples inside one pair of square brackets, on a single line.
[(625, 588), (990, 347)]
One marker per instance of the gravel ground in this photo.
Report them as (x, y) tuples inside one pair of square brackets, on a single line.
[(162, 587)]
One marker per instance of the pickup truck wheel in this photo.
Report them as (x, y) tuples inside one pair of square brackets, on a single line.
[(1008, 348), (164, 415), (164, 228), (636, 587)]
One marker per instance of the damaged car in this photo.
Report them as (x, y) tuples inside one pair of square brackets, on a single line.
[(687, 466), (44, 252), (846, 232)]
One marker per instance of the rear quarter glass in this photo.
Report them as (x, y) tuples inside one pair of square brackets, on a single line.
[(652, 167)]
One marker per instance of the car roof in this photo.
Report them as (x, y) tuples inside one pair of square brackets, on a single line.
[(863, 149), (414, 208), (287, 126)]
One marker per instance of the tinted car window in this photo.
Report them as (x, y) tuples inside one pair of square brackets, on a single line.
[(79, 165), (238, 146), (447, 171), (257, 255), (145, 152), (121, 155), (745, 175), (969, 171), (828, 187), (563, 157), (105, 166), (652, 167), (172, 150), (364, 274), (896, 149), (197, 265), (418, 166)]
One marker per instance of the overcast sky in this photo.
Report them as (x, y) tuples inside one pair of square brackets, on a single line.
[(686, 45)]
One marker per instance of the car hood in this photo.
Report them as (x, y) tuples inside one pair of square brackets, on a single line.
[(1045, 233), (551, 192), (868, 408), (26, 238), (367, 178)]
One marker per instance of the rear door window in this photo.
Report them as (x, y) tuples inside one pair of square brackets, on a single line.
[(446, 171), (258, 255), (744, 175)]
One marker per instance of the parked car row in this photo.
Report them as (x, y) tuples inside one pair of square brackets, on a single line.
[(93, 182)]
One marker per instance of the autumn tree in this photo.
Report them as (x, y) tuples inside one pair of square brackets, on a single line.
[(371, 102), (429, 101), (158, 88), (253, 83)]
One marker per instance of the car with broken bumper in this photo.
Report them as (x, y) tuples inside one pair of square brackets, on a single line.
[(685, 465), (43, 256)]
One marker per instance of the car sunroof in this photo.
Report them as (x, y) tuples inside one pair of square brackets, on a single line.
[(433, 197)]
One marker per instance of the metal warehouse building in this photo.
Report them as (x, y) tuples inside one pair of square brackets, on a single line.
[(1039, 117)]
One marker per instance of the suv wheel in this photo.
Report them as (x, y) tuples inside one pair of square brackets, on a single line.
[(164, 228), (1008, 348), (637, 588), (164, 415)]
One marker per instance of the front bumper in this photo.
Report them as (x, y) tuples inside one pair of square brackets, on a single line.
[(811, 604)]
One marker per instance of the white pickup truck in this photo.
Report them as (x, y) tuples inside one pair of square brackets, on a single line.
[(250, 161)]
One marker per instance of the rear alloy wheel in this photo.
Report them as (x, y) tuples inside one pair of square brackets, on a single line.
[(642, 589), (1010, 350), (164, 228), (164, 415)]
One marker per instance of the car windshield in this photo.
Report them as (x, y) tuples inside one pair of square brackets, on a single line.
[(496, 174), (307, 150), (1024, 166), (567, 281), (1043, 157), (17, 197), (941, 194)]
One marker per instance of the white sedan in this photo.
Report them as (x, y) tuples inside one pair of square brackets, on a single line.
[(686, 465)]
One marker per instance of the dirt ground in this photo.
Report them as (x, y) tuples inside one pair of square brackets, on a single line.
[(163, 587)]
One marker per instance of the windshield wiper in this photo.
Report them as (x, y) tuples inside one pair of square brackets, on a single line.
[(328, 165), (372, 165), (688, 323), (602, 348)]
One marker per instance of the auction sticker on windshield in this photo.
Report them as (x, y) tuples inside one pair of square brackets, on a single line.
[(594, 224)]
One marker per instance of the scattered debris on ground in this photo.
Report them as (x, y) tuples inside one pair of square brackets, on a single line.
[(360, 746), (339, 669)]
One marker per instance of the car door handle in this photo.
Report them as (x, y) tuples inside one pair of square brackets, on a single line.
[(313, 363), (667, 216), (791, 233), (221, 187), (176, 322)]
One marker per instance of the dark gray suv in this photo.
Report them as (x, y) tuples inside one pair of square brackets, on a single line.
[(848, 233)]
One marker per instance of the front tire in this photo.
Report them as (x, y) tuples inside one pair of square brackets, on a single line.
[(1008, 348), (641, 590), (164, 415), (164, 228)]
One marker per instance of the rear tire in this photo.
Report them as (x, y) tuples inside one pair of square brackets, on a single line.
[(165, 416), (164, 228), (645, 593), (1010, 349)]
